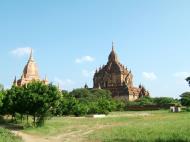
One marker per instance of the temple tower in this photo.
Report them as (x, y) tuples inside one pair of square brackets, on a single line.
[(30, 73), (117, 78)]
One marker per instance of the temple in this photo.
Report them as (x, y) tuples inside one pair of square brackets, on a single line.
[(119, 80), (30, 73)]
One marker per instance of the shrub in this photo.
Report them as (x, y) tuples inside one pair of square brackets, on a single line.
[(162, 101), (80, 109)]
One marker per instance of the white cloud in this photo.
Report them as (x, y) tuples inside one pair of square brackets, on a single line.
[(21, 51), (149, 76), (181, 75), (66, 84), (84, 59), (87, 73)]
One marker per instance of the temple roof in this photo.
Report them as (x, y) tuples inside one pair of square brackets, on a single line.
[(113, 65), (113, 56), (31, 69)]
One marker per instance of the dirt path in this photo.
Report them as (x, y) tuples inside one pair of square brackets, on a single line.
[(29, 138), (69, 136)]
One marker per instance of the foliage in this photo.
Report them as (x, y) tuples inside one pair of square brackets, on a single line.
[(185, 99), (80, 109), (80, 93), (1, 87), (187, 109), (119, 104), (1, 98), (145, 101), (148, 103), (35, 98), (66, 104), (188, 80), (164, 101), (2, 93), (42, 99), (80, 102)]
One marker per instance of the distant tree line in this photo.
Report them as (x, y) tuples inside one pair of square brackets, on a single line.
[(41, 101)]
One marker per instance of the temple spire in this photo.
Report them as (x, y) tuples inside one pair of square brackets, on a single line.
[(15, 81), (113, 56), (113, 46), (31, 55)]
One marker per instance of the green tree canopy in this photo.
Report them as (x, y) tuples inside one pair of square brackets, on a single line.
[(36, 99), (1, 87), (42, 99), (188, 80), (164, 101), (185, 99)]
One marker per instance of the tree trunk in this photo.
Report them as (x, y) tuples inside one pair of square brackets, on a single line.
[(27, 118), (21, 118), (34, 120)]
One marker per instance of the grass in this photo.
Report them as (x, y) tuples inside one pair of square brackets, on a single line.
[(158, 127), (151, 126), (7, 136)]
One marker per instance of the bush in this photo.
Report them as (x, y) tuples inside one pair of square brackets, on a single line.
[(188, 109), (80, 109), (80, 102), (162, 101), (119, 105), (145, 101)]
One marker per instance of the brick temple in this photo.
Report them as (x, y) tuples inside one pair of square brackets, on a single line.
[(118, 79)]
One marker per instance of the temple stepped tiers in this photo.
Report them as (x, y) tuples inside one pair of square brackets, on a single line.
[(30, 73), (118, 79)]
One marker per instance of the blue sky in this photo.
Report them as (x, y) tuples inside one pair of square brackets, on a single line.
[(71, 38)]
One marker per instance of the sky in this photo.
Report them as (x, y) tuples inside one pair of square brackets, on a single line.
[(71, 38)]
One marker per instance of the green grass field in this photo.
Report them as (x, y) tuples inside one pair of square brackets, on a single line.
[(7, 136), (151, 126)]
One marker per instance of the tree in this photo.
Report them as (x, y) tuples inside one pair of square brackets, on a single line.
[(85, 101), (101, 93), (162, 101), (145, 101), (66, 104), (1, 87), (185, 99), (42, 100), (188, 80), (1, 100), (8, 103), (80, 93), (1, 96), (100, 101), (17, 102)]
